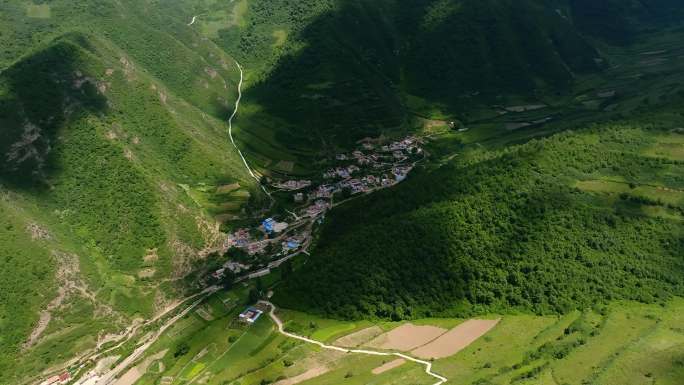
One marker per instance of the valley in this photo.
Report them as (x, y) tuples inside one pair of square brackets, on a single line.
[(253, 192)]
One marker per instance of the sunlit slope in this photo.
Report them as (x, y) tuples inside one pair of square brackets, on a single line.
[(97, 155), (545, 227)]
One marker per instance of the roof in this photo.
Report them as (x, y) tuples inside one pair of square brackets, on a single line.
[(251, 314)]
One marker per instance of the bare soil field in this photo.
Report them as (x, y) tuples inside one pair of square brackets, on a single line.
[(389, 366), (406, 337), (455, 339), (309, 374), (358, 338)]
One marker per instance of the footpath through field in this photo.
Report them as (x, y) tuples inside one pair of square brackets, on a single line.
[(281, 330)]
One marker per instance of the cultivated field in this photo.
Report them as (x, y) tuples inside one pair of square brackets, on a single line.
[(406, 337), (455, 339)]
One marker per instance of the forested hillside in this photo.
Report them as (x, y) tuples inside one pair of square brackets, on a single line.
[(549, 226), (621, 21), (110, 118), (113, 150), (347, 64)]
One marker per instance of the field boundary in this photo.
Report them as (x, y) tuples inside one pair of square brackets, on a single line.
[(281, 330)]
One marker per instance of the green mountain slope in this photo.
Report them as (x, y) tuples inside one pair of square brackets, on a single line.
[(108, 130), (345, 66), (113, 143), (621, 21), (549, 226)]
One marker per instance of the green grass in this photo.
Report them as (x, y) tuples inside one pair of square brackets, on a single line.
[(318, 328), (622, 343), (630, 344), (38, 11), (104, 99)]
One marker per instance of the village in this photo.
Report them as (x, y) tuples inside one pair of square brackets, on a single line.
[(278, 238)]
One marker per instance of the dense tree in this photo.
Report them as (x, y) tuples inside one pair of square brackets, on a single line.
[(505, 230)]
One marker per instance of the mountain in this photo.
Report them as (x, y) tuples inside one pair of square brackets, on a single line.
[(112, 142), (621, 22), (546, 227), (118, 181), (347, 67)]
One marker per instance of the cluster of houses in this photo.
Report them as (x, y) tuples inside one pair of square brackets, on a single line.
[(359, 175), (341, 172), (409, 144), (317, 208), (293, 185)]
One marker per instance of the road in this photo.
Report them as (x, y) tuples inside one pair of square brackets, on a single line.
[(111, 375), (230, 132), (281, 330)]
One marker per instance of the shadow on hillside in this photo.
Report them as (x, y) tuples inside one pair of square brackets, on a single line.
[(38, 95), (357, 60), (491, 237)]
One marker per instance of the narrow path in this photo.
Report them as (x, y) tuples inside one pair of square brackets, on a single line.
[(230, 131), (193, 20), (279, 323), (109, 377)]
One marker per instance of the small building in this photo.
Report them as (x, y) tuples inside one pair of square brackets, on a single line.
[(271, 226), (64, 377), (291, 244), (250, 315), (299, 197)]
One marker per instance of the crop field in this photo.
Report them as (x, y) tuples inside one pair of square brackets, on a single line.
[(622, 343)]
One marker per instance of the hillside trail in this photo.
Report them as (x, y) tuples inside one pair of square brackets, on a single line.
[(230, 125), (281, 329), (230, 133)]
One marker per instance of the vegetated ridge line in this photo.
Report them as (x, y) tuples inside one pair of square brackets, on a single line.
[(281, 330), (230, 131)]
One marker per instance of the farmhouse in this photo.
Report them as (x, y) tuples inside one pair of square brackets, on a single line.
[(271, 226), (293, 185), (250, 315), (291, 244)]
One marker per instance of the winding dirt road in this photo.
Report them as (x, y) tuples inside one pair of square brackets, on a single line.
[(230, 132), (281, 330)]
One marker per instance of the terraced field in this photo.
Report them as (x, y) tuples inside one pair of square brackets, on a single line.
[(623, 343)]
